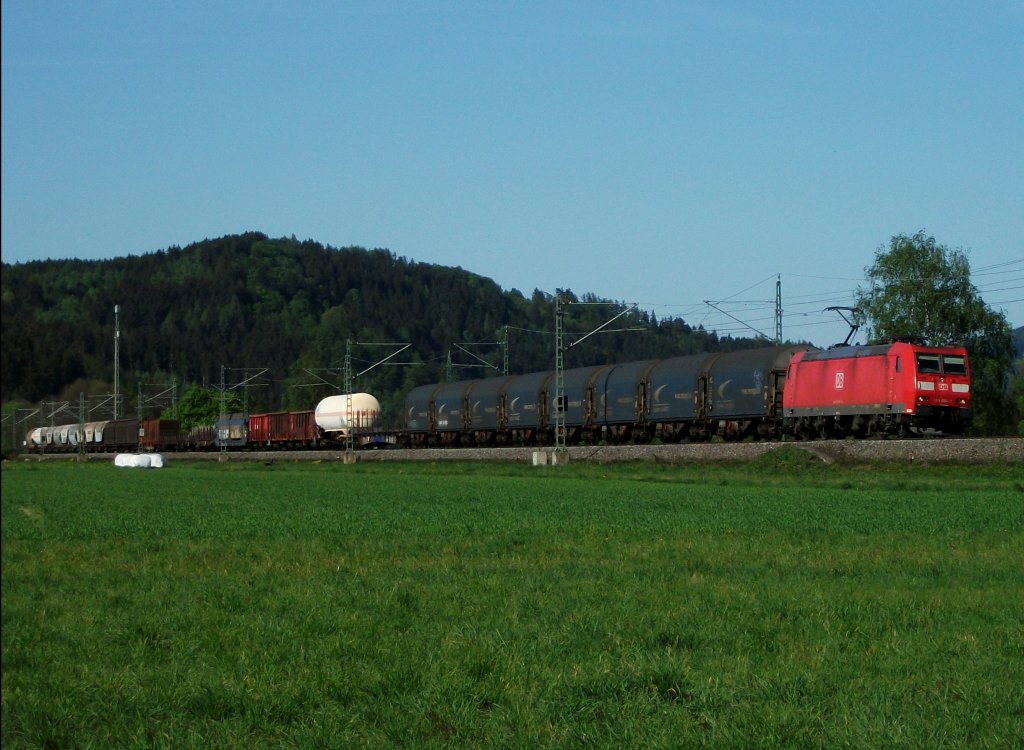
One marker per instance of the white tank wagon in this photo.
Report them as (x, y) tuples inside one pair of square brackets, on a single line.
[(334, 418)]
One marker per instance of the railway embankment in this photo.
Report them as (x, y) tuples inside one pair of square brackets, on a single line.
[(967, 451), (945, 450)]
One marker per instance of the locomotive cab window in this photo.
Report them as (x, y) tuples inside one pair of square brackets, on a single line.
[(928, 363), (954, 364)]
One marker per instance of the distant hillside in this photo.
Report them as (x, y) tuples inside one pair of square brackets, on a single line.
[(248, 303)]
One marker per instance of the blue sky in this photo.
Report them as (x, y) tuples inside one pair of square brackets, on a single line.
[(666, 153)]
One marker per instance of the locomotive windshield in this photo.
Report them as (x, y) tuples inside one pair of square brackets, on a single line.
[(928, 364), (954, 365), (935, 364)]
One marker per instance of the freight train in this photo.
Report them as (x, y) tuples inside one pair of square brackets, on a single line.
[(900, 388), (327, 425), (897, 389), (115, 435)]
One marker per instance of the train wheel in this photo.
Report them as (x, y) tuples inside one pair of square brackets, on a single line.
[(804, 431)]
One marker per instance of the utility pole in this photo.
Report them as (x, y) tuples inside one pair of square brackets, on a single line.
[(350, 439), (225, 429), (354, 420), (504, 348), (117, 356), (560, 447), (223, 432), (561, 454), (81, 427), (138, 414), (778, 309)]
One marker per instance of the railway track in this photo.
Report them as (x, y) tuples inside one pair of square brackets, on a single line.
[(924, 450)]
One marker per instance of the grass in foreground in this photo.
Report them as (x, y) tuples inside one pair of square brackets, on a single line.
[(776, 604)]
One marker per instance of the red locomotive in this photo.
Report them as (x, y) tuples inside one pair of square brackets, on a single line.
[(899, 388)]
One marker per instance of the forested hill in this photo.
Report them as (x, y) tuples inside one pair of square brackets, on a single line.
[(247, 301)]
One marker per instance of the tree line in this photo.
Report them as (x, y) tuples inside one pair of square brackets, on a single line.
[(223, 309)]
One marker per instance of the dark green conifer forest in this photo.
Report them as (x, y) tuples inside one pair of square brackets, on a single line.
[(277, 314)]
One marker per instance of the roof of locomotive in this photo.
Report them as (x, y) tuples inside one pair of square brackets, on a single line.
[(871, 350), (847, 352)]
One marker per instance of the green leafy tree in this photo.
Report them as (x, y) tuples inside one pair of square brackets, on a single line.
[(201, 406), (920, 288), (1017, 394)]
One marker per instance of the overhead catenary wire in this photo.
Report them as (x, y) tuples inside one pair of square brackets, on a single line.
[(800, 310)]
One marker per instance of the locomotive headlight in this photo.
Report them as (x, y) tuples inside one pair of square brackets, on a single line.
[(924, 385)]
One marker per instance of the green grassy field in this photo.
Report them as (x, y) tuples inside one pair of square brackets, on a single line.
[(776, 604)]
